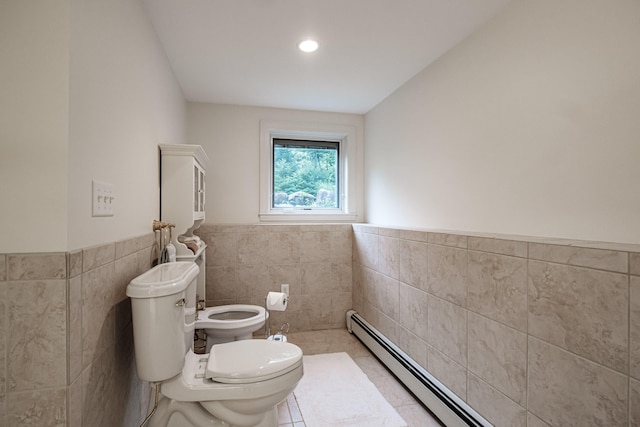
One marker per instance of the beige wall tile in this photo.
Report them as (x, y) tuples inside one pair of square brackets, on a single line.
[(369, 286), (582, 257), (412, 313), (134, 244), (326, 311), (97, 382), (358, 287), (341, 245), (36, 266), (447, 329), (252, 248), (97, 256), (325, 277), (494, 406), (221, 284), (499, 246), (634, 333), (126, 269), (388, 326), (584, 311), (75, 327), (451, 374), (498, 355), (283, 248), (98, 319), (634, 402), (455, 240), (36, 346), (381, 292), (415, 235), (388, 256), (3, 340), (387, 294), (447, 273), (396, 233), (222, 249), (533, 421), (413, 263), (252, 281), (413, 345), (39, 408), (497, 288), (74, 399), (290, 274), (3, 267), (365, 228), (565, 389), (315, 246), (365, 250), (634, 263), (74, 263)]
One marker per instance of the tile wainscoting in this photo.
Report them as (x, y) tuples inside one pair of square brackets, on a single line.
[(66, 342), (528, 332), (245, 262)]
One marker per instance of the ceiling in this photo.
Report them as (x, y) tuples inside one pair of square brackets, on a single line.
[(244, 51)]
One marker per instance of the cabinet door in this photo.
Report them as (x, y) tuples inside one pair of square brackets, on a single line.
[(201, 191), (196, 188)]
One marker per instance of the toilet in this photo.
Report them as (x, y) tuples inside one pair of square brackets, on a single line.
[(239, 383), (231, 322)]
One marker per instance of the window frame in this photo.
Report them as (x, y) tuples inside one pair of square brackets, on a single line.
[(345, 135)]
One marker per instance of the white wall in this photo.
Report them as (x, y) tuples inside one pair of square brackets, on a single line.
[(124, 101), (34, 70), (85, 93), (230, 135), (530, 126)]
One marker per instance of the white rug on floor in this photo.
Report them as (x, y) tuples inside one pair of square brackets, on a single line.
[(335, 392)]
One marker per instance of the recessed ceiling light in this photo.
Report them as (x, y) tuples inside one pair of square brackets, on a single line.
[(308, 45)]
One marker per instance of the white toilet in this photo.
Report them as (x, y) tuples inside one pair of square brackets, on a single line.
[(239, 383), (231, 322)]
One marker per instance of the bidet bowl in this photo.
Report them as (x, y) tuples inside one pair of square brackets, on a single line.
[(231, 322)]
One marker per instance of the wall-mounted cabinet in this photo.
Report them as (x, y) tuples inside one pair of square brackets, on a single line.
[(182, 194)]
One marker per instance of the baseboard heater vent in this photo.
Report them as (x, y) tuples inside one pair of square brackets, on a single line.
[(444, 404)]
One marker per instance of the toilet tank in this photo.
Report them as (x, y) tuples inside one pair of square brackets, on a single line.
[(161, 328)]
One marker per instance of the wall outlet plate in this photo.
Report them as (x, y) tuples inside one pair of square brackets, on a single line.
[(102, 197)]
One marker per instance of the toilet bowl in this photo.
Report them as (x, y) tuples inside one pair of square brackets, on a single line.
[(238, 383), (232, 322)]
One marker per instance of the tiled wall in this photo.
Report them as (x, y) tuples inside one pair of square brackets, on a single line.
[(66, 344), (245, 262), (527, 333)]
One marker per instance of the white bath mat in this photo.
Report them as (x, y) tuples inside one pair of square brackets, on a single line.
[(335, 392)]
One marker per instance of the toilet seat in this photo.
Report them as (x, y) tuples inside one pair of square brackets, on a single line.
[(250, 361), (193, 386)]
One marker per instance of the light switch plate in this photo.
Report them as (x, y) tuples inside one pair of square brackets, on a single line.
[(102, 198)]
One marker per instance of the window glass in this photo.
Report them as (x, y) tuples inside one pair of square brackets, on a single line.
[(305, 174)]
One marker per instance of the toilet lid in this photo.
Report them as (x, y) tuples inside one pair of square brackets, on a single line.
[(251, 360)]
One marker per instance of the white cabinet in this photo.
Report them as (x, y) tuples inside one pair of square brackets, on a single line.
[(182, 192)]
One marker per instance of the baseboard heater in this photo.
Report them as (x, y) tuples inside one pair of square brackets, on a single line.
[(444, 404)]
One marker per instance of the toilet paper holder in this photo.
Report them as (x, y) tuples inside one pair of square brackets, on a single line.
[(282, 299)]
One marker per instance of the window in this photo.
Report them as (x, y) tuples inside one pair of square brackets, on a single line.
[(307, 172)]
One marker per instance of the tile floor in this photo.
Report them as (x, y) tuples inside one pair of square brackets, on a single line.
[(339, 340)]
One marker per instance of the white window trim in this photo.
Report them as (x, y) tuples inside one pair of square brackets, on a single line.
[(346, 134)]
